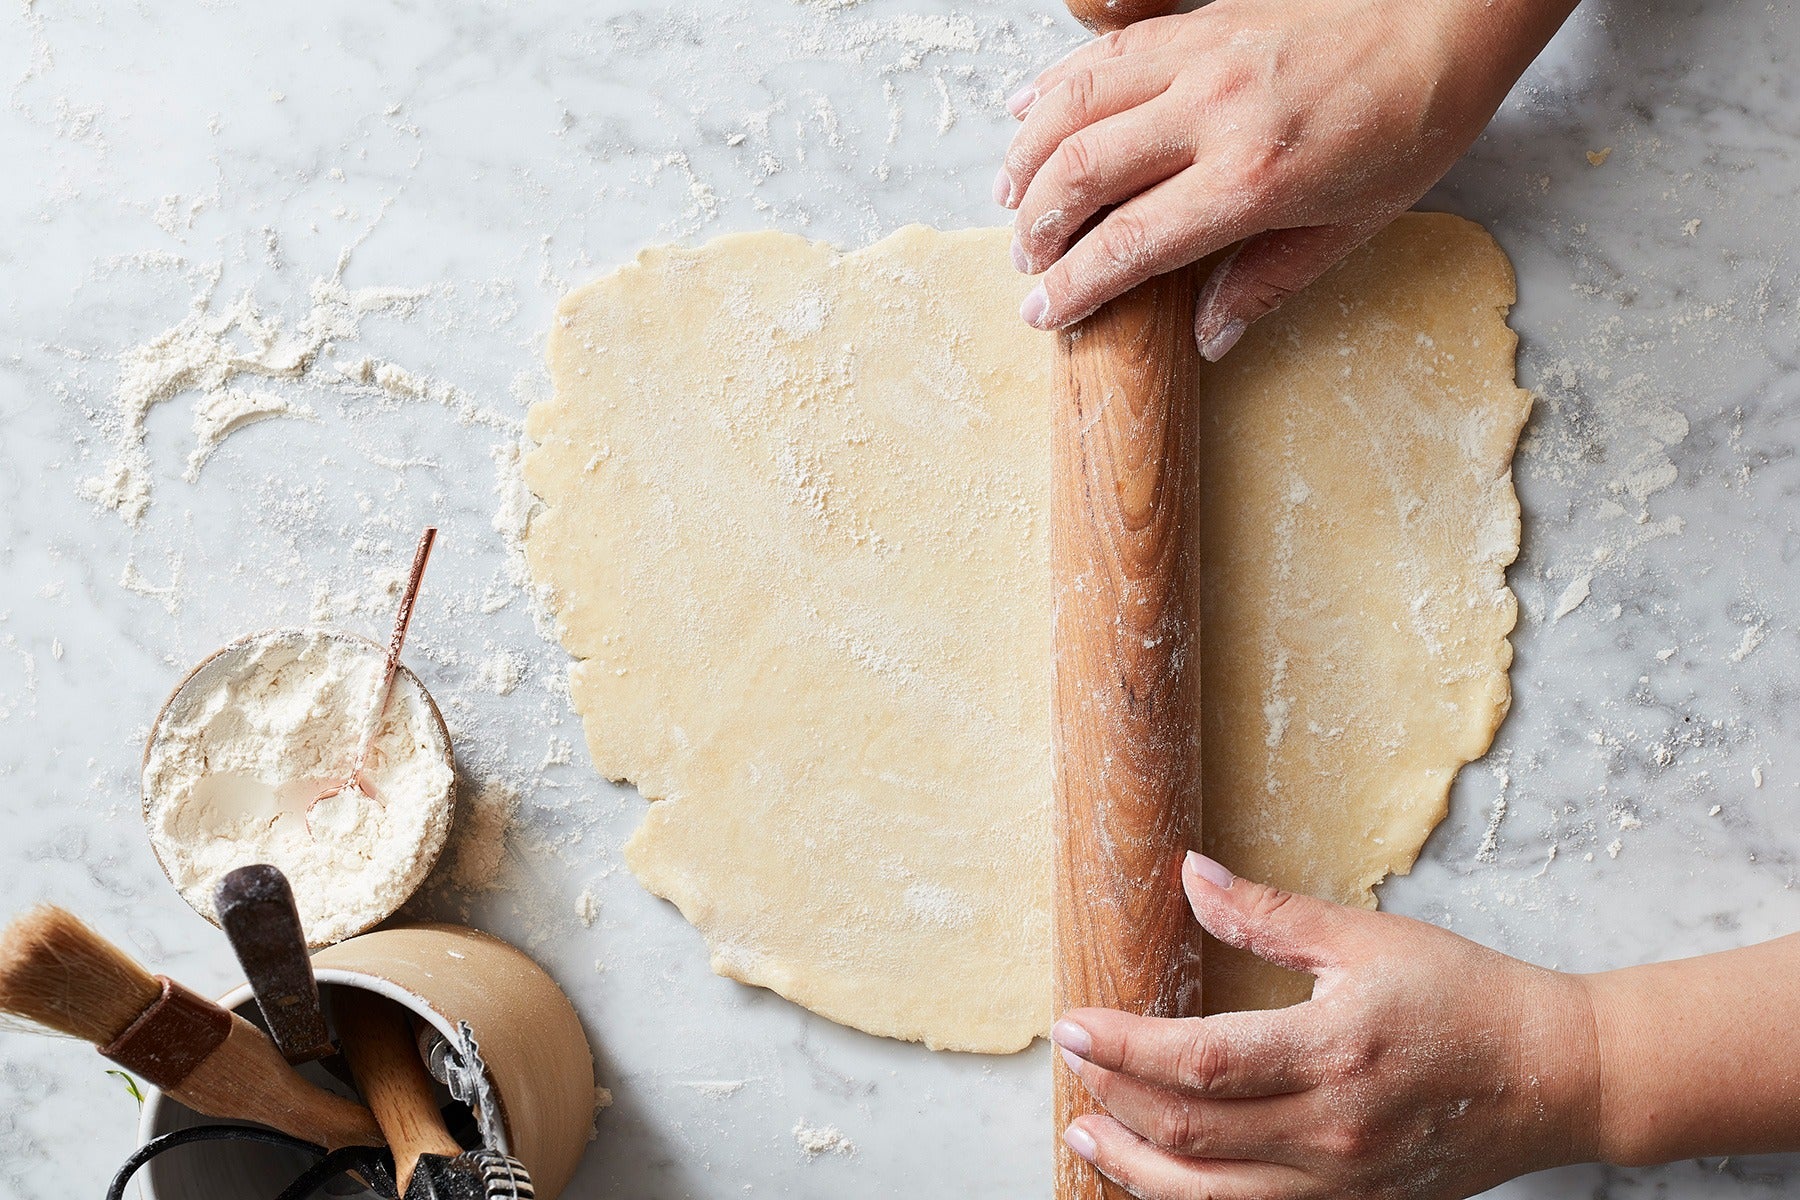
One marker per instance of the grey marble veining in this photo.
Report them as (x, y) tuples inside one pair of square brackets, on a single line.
[(1638, 803)]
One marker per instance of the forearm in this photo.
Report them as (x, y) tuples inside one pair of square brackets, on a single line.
[(1498, 39), (1700, 1056)]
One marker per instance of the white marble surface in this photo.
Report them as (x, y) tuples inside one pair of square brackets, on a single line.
[(496, 153)]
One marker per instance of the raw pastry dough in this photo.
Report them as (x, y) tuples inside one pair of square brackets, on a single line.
[(796, 537)]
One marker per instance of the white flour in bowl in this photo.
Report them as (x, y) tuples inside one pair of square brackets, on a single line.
[(254, 735)]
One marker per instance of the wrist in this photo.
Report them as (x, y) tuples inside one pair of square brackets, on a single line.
[(1496, 42), (1626, 1133), (1559, 1079)]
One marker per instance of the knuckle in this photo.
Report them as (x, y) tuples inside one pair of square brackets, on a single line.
[(1235, 74), (1264, 170), (1178, 1127), (1113, 42), (1078, 100), (1204, 1064), (1347, 1141), (1359, 1056), (1124, 239), (1267, 292), (1135, 1051), (1270, 903), (1076, 165)]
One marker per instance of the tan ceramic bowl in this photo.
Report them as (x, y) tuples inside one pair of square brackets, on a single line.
[(531, 1039), (403, 678)]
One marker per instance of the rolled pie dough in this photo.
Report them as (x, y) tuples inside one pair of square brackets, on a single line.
[(796, 538)]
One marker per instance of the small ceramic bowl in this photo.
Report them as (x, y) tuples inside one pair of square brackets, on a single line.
[(404, 681), (537, 1057)]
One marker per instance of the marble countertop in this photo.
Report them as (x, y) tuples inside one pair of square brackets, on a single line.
[(1638, 804)]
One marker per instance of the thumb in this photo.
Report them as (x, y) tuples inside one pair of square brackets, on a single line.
[(1264, 271), (1289, 929)]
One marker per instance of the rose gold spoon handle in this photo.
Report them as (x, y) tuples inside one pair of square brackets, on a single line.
[(372, 725)]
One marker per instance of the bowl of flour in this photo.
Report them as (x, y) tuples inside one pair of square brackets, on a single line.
[(258, 730)]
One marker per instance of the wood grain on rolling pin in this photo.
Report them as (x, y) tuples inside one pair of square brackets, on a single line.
[(1126, 673)]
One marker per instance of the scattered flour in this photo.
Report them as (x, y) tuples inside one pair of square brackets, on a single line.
[(221, 413), (603, 1100), (1754, 636), (1573, 597), (207, 352), (502, 671), (718, 1089), (133, 580), (478, 842), (1490, 837), (254, 736), (824, 1139)]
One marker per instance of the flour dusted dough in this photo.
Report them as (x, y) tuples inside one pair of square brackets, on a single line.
[(796, 537)]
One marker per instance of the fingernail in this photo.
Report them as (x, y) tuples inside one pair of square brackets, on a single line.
[(1003, 189), (1205, 868), (1070, 1059), (1021, 100), (1035, 306), (1021, 264), (1072, 1037), (1080, 1141), (1215, 347)]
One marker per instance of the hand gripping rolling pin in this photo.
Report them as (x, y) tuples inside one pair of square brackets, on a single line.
[(1126, 661)]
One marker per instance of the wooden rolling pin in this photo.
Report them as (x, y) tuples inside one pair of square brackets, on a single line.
[(1126, 660)]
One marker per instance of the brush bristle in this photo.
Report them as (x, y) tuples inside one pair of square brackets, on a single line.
[(58, 973)]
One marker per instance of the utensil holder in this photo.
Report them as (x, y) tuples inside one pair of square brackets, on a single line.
[(537, 1057)]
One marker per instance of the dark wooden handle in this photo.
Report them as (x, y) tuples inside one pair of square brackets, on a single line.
[(256, 910), (378, 1040), (1126, 662)]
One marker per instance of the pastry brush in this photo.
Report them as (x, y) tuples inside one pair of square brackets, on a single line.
[(58, 973)]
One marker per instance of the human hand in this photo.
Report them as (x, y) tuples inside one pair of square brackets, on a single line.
[(1299, 129), (1424, 1065)]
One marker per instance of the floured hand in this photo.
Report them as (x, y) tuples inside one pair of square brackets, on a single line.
[(1424, 1066), (1298, 129)]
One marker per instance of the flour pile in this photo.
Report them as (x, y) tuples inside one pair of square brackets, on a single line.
[(254, 736)]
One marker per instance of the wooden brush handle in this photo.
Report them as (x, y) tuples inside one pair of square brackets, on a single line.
[(1126, 663), (220, 1065), (247, 1078), (377, 1038)]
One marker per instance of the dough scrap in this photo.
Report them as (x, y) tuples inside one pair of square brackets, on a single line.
[(796, 538)]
